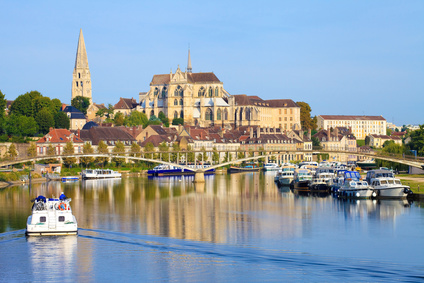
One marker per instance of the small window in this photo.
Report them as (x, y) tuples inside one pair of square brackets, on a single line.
[(61, 218), (43, 219)]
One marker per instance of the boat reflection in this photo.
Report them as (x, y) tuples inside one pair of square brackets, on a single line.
[(52, 256), (374, 209)]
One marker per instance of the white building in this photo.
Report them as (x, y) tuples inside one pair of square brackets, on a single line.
[(361, 126)]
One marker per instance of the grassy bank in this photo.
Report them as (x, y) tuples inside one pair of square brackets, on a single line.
[(416, 182)]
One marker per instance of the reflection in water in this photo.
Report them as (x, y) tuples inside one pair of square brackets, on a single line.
[(378, 209)]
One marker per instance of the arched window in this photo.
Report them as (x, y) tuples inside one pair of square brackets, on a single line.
[(164, 92), (247, 114), (241, 114), (77, 84), (175, 114), (209, 115), (182, 114), (152, 113), (179, 91), (210, 92), (216, 91), (225, 114), (218, 114), (201, 92), (156, 91), (181, 102), (175, 102)]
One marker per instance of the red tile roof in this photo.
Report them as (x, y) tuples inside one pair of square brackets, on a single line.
[(60, 136)]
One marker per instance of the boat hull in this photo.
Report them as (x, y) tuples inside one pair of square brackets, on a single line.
[(175, 172), (238, 170), (357, 194), (70, 228), (285, 181), (392, 192)]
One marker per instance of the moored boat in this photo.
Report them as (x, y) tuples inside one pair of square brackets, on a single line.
[(51, 216), (354, 186), (301, 180), (386, 185), (286, 175), (247, 168), (271, 167), (170, 170), (99, 174)]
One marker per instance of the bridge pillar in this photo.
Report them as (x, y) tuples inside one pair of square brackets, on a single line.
[(199, 177)]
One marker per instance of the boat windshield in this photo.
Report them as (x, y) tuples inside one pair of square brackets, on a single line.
[(398, 182), (383, 182)]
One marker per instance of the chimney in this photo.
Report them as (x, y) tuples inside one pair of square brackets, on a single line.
[(258, 132), (78, 133), (309, 134), (328, 135), (63, 106), (251, 132), (337, 132), (50, 129), (301, 134)]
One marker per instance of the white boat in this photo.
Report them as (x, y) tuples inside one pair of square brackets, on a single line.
[(286, 175), (301, 180), (51, 216), (355, 187), (271, 167), (386, 185), (99, 174)]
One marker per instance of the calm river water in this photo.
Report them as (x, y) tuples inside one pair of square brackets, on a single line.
[(237, 227)]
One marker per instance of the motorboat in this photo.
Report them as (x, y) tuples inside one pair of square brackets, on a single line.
[(271, 167), (51, 216), (355, 187), (367, 164), (99, 174), (386, 185), (247, 168), (301, 180), (286, 175)]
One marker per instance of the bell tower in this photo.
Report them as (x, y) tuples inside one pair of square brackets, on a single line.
[(81, 82)]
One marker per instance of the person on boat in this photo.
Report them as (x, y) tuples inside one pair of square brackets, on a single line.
[(62, 196)]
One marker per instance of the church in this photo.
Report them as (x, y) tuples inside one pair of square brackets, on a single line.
[(201, 100)]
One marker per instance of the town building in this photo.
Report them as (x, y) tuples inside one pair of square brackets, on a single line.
[(377, 141), (77, 119), (338, 139), (361, 126), (92, 110), (81, 77), (58, 139)]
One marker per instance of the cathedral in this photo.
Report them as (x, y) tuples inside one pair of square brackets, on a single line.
[(201, 99), (81, 78)]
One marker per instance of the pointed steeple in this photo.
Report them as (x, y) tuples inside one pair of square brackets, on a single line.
[(189, 62), (81, 60), (81, 82)]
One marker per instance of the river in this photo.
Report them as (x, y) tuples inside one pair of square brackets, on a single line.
[(238, 227)]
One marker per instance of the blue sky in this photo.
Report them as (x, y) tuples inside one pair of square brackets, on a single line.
[(341, 57)]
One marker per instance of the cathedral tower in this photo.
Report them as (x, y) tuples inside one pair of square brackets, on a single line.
[(81, 82), (189, 70)]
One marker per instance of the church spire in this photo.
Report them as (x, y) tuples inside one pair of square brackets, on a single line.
[(81, 60), (81, 82), (189, 62)]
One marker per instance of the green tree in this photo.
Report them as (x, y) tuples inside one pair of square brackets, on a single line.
[(305, 116), (51, 151), (389, 131), (119, 119), (241, 155), (32, 150), (149, 147), (175, 150), (43, 102), (21, 126), (81, 103), (215, 155), (102, 149), (367, 140), (12, 153), (105, 112), (3, 104), (154, 120), (315, 142), (135, 150), (177, 121), (23, 104), (119, 149), (417, 140), (190, 154), (136, 118), (68, 149), (56, 105), (87, 149), (45, 120), (61, 120), (164, 148), (164, 119)]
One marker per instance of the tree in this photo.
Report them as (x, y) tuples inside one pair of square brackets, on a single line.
[(367, 140), (12, 153), (119, 149), (417, 140), (215, 155), (119, 119), (61, 120), (87, 149), (23, 104), (51, 151), (102, 148), (190, 154), (3, 104), (21, 126), (175, 150), (389, 131), (106, 112), (32, 150), (149, 147), (68, 149), (315, 142), (135, 150), (178, 121), (164, 119), (154, 120), (136, 118), (305, 116), (81, 103), (45, 120), (164, 148)]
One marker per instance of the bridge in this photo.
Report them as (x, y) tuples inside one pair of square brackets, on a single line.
[(182, 156)]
